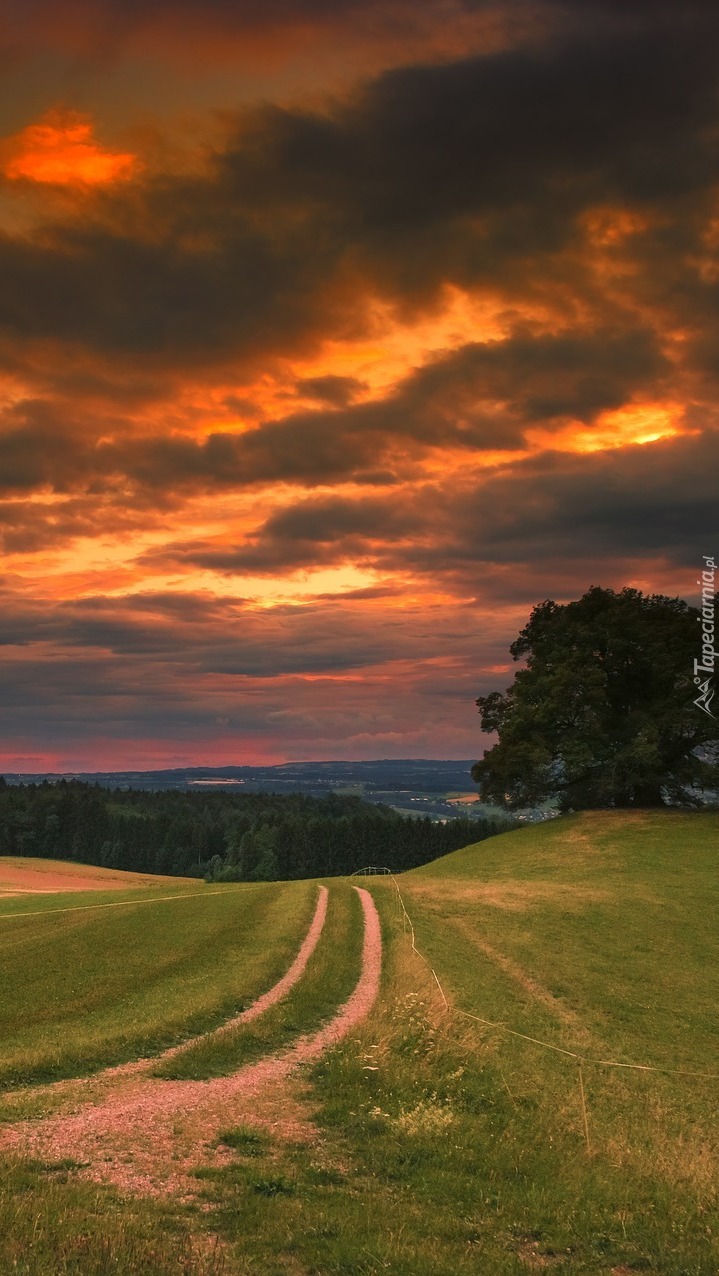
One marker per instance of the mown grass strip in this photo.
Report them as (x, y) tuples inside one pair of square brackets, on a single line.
[(329, 978), (86, 989), (612, 914)]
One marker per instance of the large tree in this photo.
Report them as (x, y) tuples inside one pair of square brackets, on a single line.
[(602, 713)]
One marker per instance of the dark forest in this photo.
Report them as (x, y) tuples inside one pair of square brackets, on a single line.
[(221, 836)]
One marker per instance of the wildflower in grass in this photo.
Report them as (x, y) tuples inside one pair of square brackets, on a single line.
[(429, 1116)]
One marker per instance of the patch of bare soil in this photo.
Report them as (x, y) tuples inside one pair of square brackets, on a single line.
[(530, 1253), (148, 1134)]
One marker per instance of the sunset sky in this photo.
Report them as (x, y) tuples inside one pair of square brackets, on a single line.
[(335, 335)]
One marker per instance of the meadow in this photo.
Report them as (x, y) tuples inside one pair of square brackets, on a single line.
[(480, 1120), (97, 978)]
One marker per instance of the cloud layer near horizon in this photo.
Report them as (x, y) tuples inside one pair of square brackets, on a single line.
[(311, 389)]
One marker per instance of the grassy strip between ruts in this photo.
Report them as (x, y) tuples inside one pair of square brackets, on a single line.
[(327, 982), (84, 989)]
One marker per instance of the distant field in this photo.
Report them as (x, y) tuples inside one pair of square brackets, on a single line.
[(19, 875), (446, 1145)]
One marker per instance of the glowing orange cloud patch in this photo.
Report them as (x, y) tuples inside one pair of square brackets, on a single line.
[(396, 347), (636, 423), (61, 151)]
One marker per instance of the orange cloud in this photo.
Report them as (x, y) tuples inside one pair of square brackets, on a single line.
[(61, 150), (635, 423)]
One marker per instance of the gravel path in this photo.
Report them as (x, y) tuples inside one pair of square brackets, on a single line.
[(147, 1135)]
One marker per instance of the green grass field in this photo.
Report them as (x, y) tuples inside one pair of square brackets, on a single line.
[(95, 979), (445, 1145)]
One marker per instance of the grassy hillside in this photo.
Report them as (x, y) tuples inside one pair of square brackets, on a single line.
[(612, 916), (447, 1145), (467, 1145)]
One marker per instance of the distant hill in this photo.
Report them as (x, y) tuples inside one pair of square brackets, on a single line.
[(422, 775)]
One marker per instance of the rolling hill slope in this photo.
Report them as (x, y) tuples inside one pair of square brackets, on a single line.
[(21, 875), (601, 923)]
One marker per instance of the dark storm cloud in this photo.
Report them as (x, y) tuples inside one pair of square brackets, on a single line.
[(522, 140), (305, 535), (36, 449), (471, 171), (479, 396), (106, 24), (113, 15), (113, 293), (102, 28), (333, 390), (26, 526), (651, 502), (657, 500), (331, 519), (539, 376), (207, 636)]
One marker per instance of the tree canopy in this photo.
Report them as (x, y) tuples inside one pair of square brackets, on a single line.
[(602, 714)]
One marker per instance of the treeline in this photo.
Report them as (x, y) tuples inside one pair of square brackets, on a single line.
[(221, 836)]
